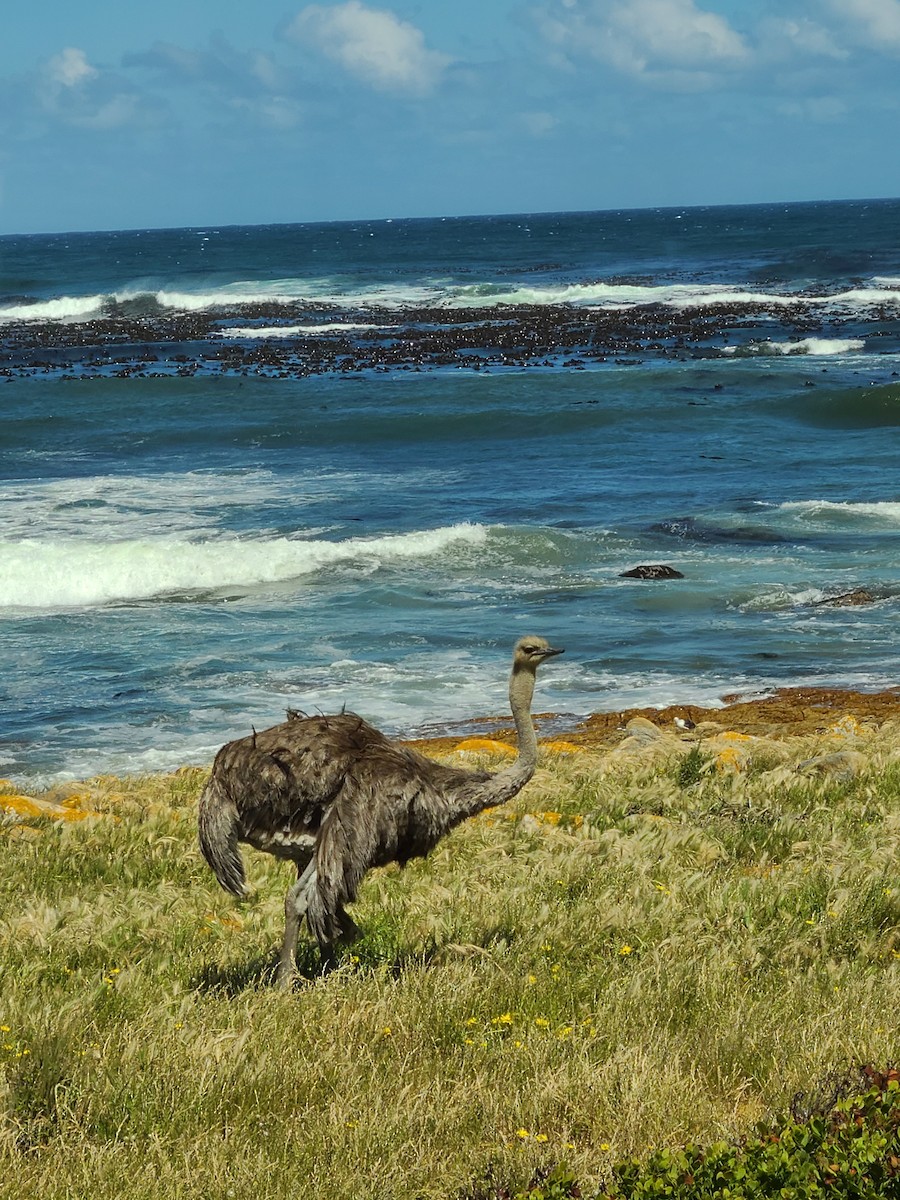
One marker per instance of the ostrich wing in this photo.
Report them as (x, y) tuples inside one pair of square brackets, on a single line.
[(289, 778), (375, 802)]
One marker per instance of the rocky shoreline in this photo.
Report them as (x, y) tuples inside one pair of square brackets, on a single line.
[(834, 723), (140, 338), (787, 712)]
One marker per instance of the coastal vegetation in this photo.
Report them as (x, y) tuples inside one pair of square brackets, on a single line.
[(644, 958)]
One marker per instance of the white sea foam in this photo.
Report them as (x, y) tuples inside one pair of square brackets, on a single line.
[(78, 572), (861, 297), (816, 347), (288, 331), (610, 295), (115, 507), (442, 293), (64, 308), (831, 512)]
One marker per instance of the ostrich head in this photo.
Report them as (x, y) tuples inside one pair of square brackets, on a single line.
[(530, 652)]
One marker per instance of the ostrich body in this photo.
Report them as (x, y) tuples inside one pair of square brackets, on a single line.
[(337, 797)]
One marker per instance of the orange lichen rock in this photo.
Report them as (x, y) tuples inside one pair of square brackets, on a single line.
[(561, 747), (734, 751), (30, 806), (731, 759), (846, 728), (486, 746), (16, 803)]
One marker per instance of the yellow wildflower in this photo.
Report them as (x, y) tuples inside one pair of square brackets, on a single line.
[(541, 1022), (625, 950), (523, 1134)]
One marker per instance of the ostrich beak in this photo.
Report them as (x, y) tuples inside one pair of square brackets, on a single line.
[(551, 653)]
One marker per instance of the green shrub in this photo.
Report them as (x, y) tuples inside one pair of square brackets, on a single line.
[(853, 1151)]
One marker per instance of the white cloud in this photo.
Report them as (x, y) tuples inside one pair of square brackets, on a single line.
[(70, 91), (876, 22), (371, 43), (646, 37), (70, 67), (119, 110), (786, 35), (539, 124), (821, 109)]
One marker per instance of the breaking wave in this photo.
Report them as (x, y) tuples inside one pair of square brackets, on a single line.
[(288, 331), (79, 573), (883, 514), (434, 293), (817, 347)]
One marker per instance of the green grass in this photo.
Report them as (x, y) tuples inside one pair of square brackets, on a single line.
[(632, 956)]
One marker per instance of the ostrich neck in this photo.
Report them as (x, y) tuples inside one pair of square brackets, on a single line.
[(506, 783), (521, 692)]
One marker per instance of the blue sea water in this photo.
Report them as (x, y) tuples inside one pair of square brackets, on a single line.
[(249, 468)]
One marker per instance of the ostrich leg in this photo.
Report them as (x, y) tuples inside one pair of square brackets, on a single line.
[(296, 903)]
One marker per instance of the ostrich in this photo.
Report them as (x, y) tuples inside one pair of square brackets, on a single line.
[(337, 797)]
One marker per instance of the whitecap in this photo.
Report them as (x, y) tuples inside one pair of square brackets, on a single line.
[(77, 572), (287, 331), (831, 512), (63, 308), (816, 347)]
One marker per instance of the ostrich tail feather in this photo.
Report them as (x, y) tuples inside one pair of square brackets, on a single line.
[(218, 829)]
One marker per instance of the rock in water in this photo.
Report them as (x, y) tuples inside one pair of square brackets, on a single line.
[(847, 599), (651, 571)]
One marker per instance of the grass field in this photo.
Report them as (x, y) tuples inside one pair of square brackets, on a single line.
[(647, 946)]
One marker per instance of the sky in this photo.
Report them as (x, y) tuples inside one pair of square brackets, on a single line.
[(116, 114)]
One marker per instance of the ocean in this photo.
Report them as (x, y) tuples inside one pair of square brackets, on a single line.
[(318, 465)]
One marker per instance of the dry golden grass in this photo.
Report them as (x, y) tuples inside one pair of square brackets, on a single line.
[(645, 947)]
